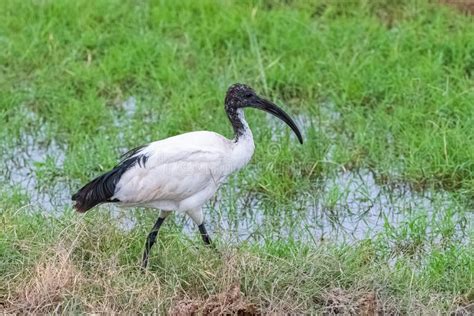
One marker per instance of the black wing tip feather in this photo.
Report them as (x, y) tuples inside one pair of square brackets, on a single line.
[(132, 152), (102, 189), (93, 193)]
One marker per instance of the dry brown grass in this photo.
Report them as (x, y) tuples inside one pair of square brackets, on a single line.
[(229, 299), (238, 282), (55, 281), (44, 289), (232, 301), (342, 302), (466, 6)]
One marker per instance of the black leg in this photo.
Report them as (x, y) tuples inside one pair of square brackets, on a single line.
[(204, 235), (150, 241)]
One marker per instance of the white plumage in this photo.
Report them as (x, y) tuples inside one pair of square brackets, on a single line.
[(181, 173)]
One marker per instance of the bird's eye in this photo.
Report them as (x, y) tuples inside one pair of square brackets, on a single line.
[(248, 95)]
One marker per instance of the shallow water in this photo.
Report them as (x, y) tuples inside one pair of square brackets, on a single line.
[(349, 206), (22, 165), (346, 206)]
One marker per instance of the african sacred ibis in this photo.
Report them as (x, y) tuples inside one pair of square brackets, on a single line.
[(182, 172)]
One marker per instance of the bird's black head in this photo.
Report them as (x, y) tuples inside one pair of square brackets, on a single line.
[(238, 96), (241, 96)]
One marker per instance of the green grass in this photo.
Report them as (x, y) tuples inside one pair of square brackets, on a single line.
[(82, 264), (379, 85)]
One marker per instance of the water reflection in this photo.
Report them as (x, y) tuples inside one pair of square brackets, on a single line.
[(346, 206), (349, 206)]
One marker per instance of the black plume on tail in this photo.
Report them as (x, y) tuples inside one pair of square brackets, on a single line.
[(99, 190), (102, 188)]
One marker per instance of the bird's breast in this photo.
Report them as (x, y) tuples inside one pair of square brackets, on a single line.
[(242, 152)]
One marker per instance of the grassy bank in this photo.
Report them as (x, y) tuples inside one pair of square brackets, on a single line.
[(74, 264), (379, 88)]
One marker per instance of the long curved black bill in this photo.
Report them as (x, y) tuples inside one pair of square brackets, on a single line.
[(271, 108)]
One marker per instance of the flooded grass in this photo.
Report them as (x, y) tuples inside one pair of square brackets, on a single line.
[(345, 207), (373, 214), (34, 168)]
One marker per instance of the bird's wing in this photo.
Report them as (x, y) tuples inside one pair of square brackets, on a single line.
[(171, 173), (171, 169), (132, 152), (102, 188)]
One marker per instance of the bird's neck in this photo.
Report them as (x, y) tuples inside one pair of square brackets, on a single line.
[(243, 145), (239, 124)]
